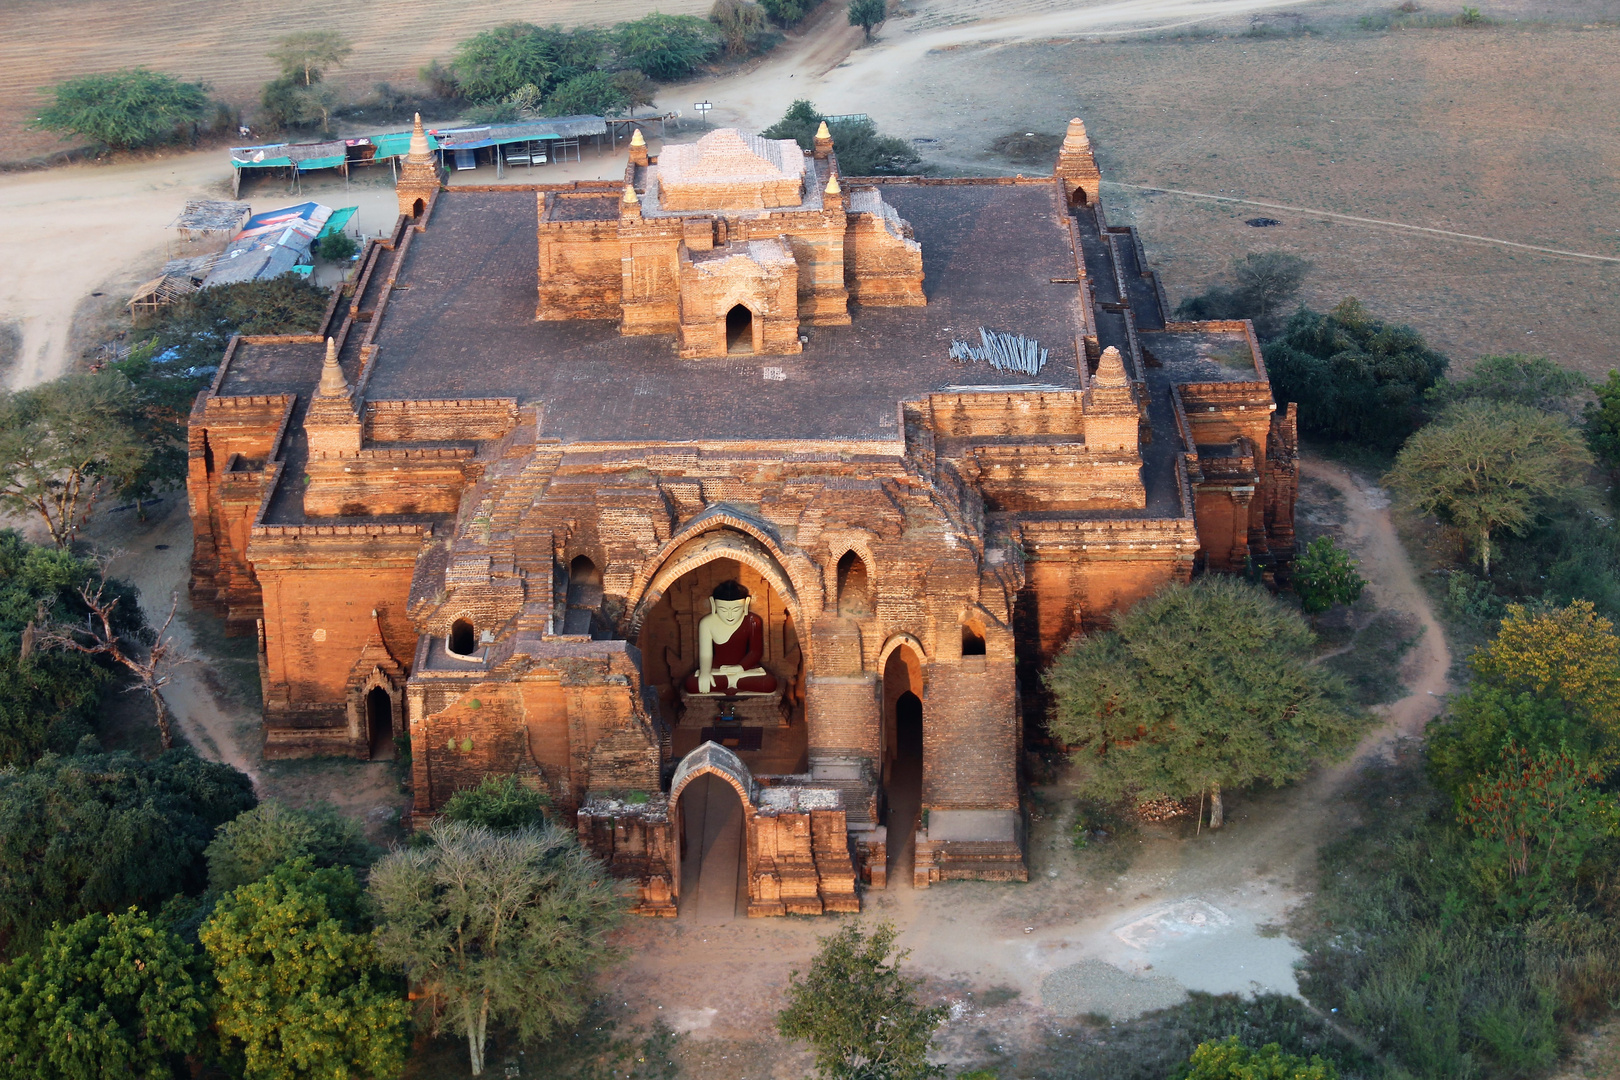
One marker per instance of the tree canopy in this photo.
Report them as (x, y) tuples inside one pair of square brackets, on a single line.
[(1324, 576), (868, 13), (1485, 467), (65, 443), (499, 803), (789, 12), (499, 61), (1199, 685), (305, 57), (109, 995), (1570, 655), (1356, 378), (667, 46), (100, 832), (859, 1013), (301, 990), (502, 926), (743, 24), (272, 834), (1603, 421), (861, 150), (126, 109), (1265, 283), (1515, 379), (48, 698)]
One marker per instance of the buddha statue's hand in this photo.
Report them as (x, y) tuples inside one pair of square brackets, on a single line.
[(731, 671), (705, 682)]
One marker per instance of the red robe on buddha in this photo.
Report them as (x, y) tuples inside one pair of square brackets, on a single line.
[(744, 648)]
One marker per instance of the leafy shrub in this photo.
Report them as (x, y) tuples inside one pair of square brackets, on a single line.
[(248, 848), (1356, 379), (666, 46), (496, 62), (1603, 421), (337, 247), (1469, 738), (1325, 576), (1231, 1060), (1264, 285), (861, 150), (500, 803), (126, 109), (594, 93), (789, 12), (1514, 379)]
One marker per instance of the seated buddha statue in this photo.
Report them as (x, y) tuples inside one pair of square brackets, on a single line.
[(731, 643)]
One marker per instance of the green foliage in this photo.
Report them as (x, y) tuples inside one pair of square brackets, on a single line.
[(305, 57), (1484, 468), (501, 803), (1514, 379), (99, 832), (859, 1014), (1603, 421), (496, 63), (109, 995), (292, 103), (1469, 739), (743, 25), (861, 151), (868, 13), (65, 443), (337, 247), (193, 333), (271, 835), (789, 12), (594, 93), (47, 701), (1206, 683), (301, 990), (506, 926), (1265, 284), (1231, 1060), (1535, 822), (1356, 379), (1326, 575), (126, 109), (440, 80), (666, 46), (597, 1050)]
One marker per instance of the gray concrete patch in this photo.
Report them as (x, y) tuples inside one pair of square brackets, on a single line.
[(1095, 987)]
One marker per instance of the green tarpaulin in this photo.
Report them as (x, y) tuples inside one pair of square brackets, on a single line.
[(397, 144), (321, 162), (336, 222)]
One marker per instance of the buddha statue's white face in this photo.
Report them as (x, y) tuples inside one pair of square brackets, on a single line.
[(729, 612)]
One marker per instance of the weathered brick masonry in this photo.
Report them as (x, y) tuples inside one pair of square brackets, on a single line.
[(486, 506)]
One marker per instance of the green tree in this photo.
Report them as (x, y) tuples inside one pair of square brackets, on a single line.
[(337, 247), (1483, 468), (192, 334), (301, 989), (1478, 725), (742, 25), (247, 848), (1515, 379), (1266, 283), (495, 63), (288, 103), (789, 12), (666, 47), (500, 803), (109, 995), (1535, 821), (860, 1015), (868, 13), (1198, 688), (305, 57), (1231, 1060), (861, 150), (1569, 655), (63, 444), (594, 93), (502, 926), (47, 698), (1326, 575), (1603, 421), (1356, 378), (100, 832), (126, 109)]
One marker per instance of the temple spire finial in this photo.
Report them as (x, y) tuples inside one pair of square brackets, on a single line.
[(333, 384), (420, 150), (824, 142)]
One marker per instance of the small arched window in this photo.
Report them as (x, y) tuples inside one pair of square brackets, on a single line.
[(854, 586), (972, 641), (463, 639), (582, 571)]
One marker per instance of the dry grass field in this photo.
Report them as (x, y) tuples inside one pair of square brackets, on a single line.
[(43, 42), (1505, 131)]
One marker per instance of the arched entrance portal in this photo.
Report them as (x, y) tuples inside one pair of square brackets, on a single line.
[(380, 724), (902, 759), (714, 846), (740, 330)]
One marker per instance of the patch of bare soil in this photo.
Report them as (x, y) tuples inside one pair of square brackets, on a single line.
[(1121, 926)]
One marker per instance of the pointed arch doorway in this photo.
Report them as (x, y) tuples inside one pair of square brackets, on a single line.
[(903, 751)]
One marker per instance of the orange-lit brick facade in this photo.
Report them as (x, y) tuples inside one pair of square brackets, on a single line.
[(486, 506)]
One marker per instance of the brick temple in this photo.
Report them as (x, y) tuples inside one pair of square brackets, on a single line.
[(931, 427)]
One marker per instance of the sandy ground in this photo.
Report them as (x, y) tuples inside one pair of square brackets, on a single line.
[(1108, 931)]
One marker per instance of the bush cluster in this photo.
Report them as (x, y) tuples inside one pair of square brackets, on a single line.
[(861, 150)]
